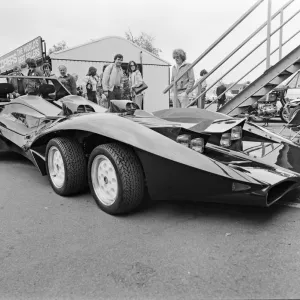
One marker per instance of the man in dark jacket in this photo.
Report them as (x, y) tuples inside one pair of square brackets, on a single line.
[(33, 85), (220, 90), (17, 83)]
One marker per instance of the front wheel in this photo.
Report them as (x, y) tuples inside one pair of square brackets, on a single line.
[(116, 178)]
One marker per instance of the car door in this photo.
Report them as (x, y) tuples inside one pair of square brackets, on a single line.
[(19, 122)]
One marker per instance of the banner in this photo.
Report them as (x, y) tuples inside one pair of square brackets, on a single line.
[(32, 49)]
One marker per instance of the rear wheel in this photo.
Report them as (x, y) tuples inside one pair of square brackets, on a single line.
[(116, 178), (66, 166)]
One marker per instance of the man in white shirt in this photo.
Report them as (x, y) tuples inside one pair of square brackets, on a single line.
[(113, 79)]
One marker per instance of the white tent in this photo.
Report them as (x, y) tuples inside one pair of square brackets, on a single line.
[(156, 71)]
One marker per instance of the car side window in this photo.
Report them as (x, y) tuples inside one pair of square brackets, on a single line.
[(27, 120), (22, 114)]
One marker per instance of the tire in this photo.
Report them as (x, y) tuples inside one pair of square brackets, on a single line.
[(284, 115), (69, 155), (121, 188)]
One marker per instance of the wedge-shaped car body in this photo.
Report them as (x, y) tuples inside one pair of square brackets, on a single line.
[(125, 154)]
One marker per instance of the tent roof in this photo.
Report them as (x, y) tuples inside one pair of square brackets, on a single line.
[(58, 53)]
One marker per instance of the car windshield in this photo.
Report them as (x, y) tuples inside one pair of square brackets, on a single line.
[(43, 106)]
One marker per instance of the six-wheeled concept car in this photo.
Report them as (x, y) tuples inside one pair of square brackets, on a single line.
[(125, 154)]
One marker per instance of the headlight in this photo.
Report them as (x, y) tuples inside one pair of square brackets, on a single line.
[(236, 133), (225, 140), (184, 140), (196, 144)]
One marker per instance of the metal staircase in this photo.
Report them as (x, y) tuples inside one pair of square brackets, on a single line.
[(259, 88), (275, 75)]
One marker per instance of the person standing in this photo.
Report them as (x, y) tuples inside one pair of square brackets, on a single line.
[(220, 90), (102, 98), (135, 80), (67, 81), (32, 85), (112, 79), (203, 87), (47, 70), (185, 84), (90, 83), (79, 88), (17, 83)]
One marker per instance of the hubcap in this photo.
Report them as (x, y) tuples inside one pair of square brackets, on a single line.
[(56, 167), (104, 180)]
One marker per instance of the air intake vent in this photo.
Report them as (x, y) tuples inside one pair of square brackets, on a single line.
[(80, 109), (277, 191), (89, 109)]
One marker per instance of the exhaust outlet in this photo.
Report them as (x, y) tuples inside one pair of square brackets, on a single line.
[(279, 190)]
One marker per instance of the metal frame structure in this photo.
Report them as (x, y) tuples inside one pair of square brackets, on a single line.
[(267, 59)]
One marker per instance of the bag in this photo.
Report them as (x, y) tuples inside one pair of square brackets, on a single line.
[(140, 88)]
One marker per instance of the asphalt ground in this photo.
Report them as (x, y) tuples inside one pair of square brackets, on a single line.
[(56, 247)]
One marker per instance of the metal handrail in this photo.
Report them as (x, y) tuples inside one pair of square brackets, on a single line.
[(241, 45), (244, 16), (290, 38), (241, 60)]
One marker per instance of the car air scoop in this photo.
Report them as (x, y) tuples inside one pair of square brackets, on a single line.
[(220, 126)]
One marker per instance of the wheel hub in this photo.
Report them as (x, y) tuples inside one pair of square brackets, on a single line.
[(104, 180), (56, 167)]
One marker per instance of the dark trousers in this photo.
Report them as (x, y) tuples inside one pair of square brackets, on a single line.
[(220, 103), (114, 95), (92, 96)]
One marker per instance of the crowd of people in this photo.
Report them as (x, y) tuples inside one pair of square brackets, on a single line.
[(99, 89), (109, 85)]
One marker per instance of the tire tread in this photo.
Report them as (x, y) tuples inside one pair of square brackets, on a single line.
[(75, 164), (131, 174)]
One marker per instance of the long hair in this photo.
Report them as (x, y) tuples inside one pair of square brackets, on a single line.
[(129, 67), (91, 70), (180, 53)]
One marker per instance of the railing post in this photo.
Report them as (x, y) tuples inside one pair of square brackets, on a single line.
[(175, 93), (280, 35), (199, 104), (268, 35)]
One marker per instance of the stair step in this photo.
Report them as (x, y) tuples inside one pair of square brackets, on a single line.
[(277, 80), (294, 68), (285, 72), (272, 85), (250, 101), (263, 91)]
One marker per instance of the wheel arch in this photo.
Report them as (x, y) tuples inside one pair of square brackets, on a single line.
[(88, 140)]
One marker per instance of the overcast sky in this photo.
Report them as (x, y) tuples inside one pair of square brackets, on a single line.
[(189, 24)]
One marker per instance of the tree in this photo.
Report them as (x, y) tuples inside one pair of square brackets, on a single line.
[(144, 40), (62, 45)]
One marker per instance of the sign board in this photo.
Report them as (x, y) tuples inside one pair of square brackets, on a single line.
[(32, 49)]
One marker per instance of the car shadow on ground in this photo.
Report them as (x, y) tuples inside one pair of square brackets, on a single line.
[(13, 157), (209, 210)]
